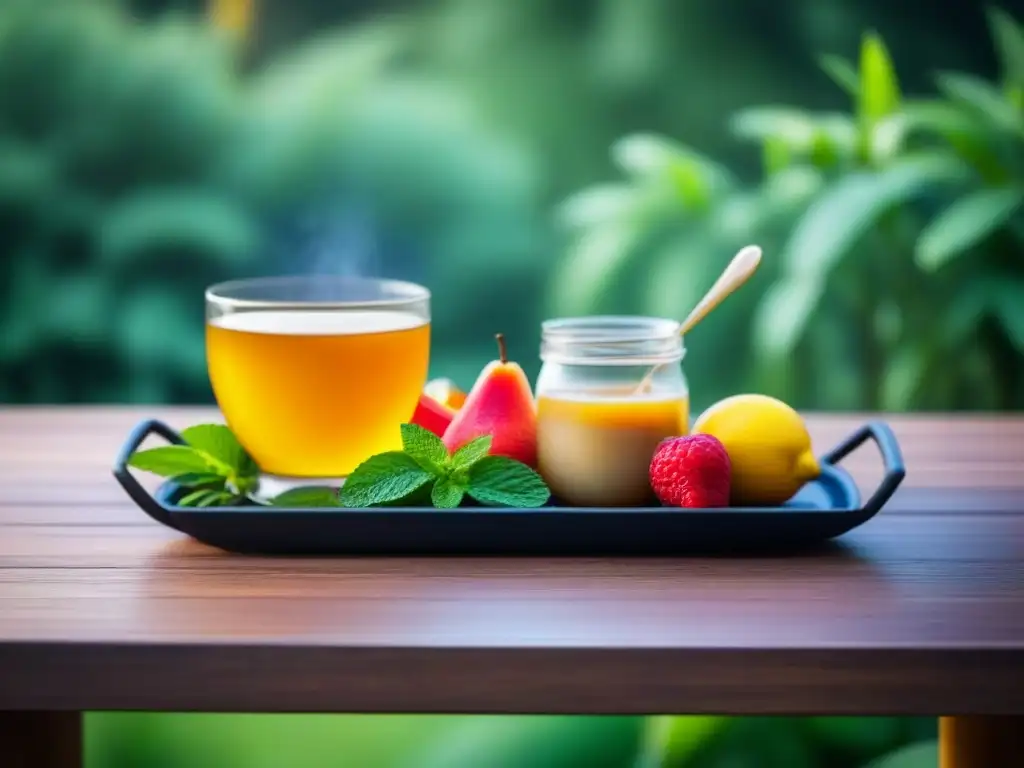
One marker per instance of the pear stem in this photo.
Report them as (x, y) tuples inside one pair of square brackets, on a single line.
[(502, 351)]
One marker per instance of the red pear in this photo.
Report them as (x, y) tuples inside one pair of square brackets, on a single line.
[(500, 405)]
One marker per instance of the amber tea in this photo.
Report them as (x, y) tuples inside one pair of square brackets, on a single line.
[(311, 392)]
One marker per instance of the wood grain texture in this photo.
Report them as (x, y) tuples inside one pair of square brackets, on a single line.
[(920, 611), (291, 677)]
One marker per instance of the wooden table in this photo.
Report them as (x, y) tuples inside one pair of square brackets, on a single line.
[(921, 611)]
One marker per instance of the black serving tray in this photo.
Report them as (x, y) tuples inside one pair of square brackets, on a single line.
[(823, 509)]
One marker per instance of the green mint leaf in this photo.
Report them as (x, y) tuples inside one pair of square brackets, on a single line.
[(424, 447), (307, 496), (206, 497), (471, 452), (171, 461), (191, 499), (446, 494), (208, 480), (221, 448), (385, 479), (499, 481)]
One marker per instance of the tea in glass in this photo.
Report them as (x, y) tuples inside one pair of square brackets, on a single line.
[(314, 375)]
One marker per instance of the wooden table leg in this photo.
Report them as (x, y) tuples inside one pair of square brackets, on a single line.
[(981, 742), (41, 739)]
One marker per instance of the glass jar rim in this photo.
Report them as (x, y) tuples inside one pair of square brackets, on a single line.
[(611, 340), (380, 293), (610, 328)]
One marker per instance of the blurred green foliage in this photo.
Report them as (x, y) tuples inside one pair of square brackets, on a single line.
[(140, 740), (537, 742), (777, 742), (130, 740), (109, 184), (141, 161), (892, 231), (914, 251), (924, 755)]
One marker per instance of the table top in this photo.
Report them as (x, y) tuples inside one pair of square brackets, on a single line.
[(919, 611)]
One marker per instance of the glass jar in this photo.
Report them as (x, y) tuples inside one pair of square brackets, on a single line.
[(609, 391)]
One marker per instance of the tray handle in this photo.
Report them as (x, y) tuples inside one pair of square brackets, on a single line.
[(132, 487), (892, 459)]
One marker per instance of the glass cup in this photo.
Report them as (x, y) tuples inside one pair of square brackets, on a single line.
[(315, 374)]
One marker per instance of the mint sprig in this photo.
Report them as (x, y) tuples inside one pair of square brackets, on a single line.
[(216, 470), (387, 479), (424, 470), (500, 482), (447, 494), (424, 447), (212, 464)]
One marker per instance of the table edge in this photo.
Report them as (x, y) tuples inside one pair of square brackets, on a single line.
[(542, 680)]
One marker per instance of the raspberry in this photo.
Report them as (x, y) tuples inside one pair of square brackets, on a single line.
[(692, 471)]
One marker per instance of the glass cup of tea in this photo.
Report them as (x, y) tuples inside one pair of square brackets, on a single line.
[(316, 374)]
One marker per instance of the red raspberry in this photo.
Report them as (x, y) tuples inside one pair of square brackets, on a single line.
[(691, 471)]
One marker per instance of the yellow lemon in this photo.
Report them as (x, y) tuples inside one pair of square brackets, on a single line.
[(768, 446)]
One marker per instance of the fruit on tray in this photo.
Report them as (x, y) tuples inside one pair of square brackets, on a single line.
[(445, 392), (432, 415), (501, 405), (692, 471), (768, 445)]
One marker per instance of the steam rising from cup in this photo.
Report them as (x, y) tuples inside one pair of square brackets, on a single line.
[(337, 240)]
